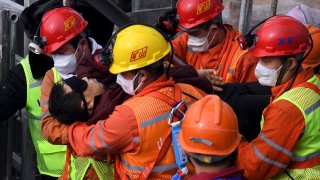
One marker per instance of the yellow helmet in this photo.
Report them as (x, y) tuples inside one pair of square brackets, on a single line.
[(138, 46)]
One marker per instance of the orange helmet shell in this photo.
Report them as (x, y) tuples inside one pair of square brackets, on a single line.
[(60, 25), (212, 121)]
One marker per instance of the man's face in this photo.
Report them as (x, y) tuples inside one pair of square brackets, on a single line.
[(94, 89), (271, 62), (67, 57), (68, 49), (205, 36)]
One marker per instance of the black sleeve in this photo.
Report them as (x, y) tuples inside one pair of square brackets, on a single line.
[(248, 100), (13, 93)]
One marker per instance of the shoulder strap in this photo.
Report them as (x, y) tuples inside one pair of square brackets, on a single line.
[(167, 142), (167, 99)]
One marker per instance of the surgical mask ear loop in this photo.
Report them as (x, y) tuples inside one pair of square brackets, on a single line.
[(135, 82), (81, 55), (282, 73), (209, 43)]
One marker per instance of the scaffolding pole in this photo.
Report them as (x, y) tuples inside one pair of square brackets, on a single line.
[(274, 5), (245, 16)]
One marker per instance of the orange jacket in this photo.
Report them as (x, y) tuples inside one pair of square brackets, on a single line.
[(135, 130), (269, 154), (232, 63)]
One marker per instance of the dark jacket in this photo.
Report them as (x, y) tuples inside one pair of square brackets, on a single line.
[(114, 95), (13, 90)]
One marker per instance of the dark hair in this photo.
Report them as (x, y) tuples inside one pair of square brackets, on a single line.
[(30, 17), (75, 41), (231, 159), (65, 107)]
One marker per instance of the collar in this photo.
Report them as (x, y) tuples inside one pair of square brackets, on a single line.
[(301, 77), (159, 83)]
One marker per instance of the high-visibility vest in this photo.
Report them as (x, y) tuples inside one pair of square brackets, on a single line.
[(80, 165), (50, 158), (308, 101), (153, 128)]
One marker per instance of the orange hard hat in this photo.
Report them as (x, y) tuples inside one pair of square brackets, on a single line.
[(313, 59), (210, 127), (60, 25)]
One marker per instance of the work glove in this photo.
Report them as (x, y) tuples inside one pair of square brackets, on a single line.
[(168, 22)]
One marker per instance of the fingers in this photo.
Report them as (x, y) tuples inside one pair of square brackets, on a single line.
[(217, 88), (85, 79), (216, 80)]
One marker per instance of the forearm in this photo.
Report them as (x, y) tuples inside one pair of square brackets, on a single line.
[(271, 152), (54, 131), (112, 135)]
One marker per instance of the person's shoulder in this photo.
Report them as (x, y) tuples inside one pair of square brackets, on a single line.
[(49, 76), (49, 73)]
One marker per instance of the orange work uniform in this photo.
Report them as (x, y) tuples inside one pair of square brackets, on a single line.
[(232, 63), (135, 131), (271, 153)]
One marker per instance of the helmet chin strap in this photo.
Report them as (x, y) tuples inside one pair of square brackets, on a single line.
[(282, 73)]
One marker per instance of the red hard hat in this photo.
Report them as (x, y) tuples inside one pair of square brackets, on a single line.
[(60, 25), (210, 127), (281, 36), (194, 12)]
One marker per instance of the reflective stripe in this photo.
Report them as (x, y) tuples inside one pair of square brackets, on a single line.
[(178, 60), (136, 139), (155, 120), (312, 108), (276, 146), (155, 168), (43, 103), (30, 116), (35, 84), (267, 160), (231, 71), (92, 140), (304, 158), (101, 139)]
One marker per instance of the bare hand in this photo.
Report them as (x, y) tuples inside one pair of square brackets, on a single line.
[(212, 76), (94, 87)]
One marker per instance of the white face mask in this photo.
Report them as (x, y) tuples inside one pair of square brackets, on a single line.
[(200, 44), (66, 64), (266, 76), (127, 85)]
